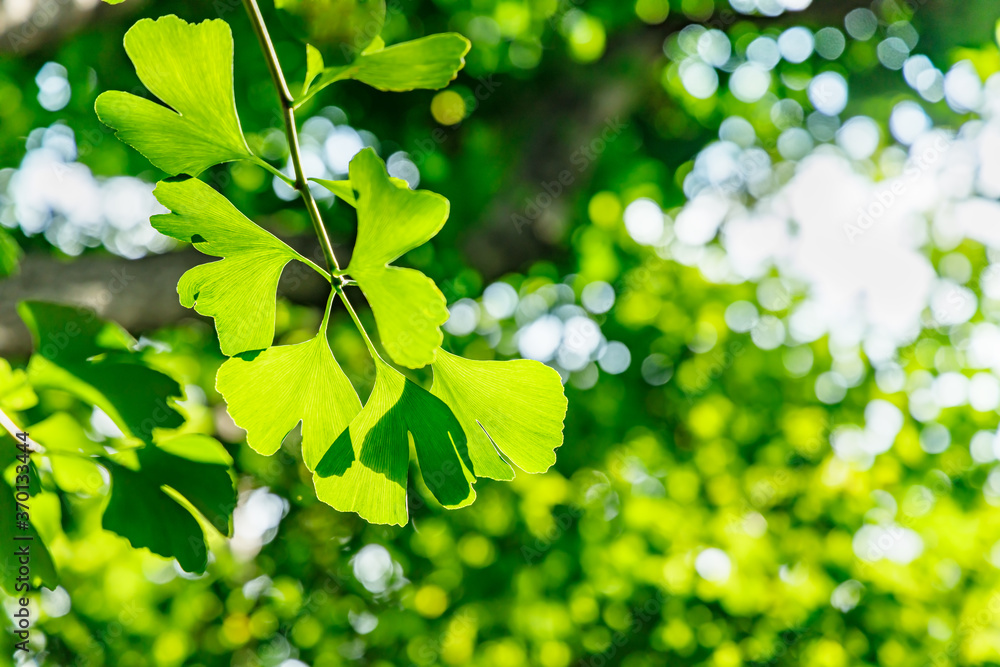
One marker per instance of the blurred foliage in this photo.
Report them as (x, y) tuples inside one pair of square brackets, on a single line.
[(696, 514)]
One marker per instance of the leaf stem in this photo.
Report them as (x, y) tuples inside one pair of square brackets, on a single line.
[(326, 311), (301, 183), (357, 322), (274, 170)]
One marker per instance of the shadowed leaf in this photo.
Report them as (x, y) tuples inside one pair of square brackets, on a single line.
[(364, 471), (77, 352)]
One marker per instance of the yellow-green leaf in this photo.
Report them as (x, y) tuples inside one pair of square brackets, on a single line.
[(271, 392), (515, 406), (189, 67), (240, 290), (409, 309), (364, 471), (427, 63)]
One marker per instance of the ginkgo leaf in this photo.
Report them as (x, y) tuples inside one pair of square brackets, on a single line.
[(427, 63), (515, 406), (364, 471), (240, 290), (145, 515), (141, 510), (189, 67), (197, 467), (409, 311), (408, 307), (72, 455), (345, 191), (77, 352), (314, 66), (269, 393)]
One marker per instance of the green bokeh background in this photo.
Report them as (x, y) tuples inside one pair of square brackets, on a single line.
[(592, 563)]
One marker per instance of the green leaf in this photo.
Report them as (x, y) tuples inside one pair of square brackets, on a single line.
[(190, 68), (515, 406), (10, 255), (197, 467), (408, 307), (428, 63), (314, 66), (145, 515), (271, 392), (77, 352), (140, 509), (71, 454), (15, 392), (364, 471), (239, 291), (43, 570)]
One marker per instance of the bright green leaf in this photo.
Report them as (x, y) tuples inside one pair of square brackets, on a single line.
[(77, 352), (314, 66), (190, 68), (271, 392), (345, 191), (364, 471), (15, 392), (71, 454), (408, 307), (515, 406), (240, 290), (140, 509), (428, 63)]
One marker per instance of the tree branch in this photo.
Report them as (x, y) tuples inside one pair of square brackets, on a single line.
[(141, 295)]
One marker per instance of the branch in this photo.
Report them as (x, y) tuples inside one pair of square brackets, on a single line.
[(140, 295), (288, 113)]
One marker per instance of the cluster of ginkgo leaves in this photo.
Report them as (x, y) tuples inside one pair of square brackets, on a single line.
[(477, 418), (157, 478)]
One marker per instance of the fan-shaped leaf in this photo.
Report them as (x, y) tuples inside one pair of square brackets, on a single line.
[(408, 307), (270, 393), (190, 68), (364, 471), (239, 291), (140, 509), (517, 406)]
